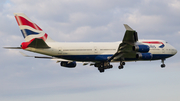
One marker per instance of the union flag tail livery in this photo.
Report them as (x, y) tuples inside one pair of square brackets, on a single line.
[(29, 29), (97, 54)]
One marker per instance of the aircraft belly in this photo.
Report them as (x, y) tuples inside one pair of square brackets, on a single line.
[(86, 57), (161, 56)]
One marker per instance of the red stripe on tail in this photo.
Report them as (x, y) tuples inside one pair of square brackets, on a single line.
[(25, 22)]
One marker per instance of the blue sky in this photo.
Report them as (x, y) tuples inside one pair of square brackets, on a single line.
[(27, 79)]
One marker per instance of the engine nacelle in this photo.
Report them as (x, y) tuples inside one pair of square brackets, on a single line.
[(68, 64), (144, 56), (141, 48)]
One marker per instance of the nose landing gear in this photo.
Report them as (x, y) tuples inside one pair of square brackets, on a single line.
[(162, 65)]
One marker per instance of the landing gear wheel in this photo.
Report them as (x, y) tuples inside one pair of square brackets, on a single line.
[(163, 65), (123, 63), (101, 69), (111, 66), (121, 67)]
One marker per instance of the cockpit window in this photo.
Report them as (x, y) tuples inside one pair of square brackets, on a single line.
[(166, 42)]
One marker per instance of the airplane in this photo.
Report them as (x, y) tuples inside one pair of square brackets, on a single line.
[(97, 54)]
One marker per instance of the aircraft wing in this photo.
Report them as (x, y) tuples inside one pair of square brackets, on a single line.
[(130, 36), (125, 49)]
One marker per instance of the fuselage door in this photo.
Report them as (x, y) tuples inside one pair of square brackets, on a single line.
[(163, 50), (60, 50), (95, 49)]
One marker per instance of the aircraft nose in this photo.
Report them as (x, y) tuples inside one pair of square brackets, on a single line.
[(175, 51)]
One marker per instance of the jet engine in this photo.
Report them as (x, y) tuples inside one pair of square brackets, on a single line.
[(141, 48), (144, 56), (68, 64)]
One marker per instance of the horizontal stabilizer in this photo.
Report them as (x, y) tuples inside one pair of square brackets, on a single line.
[(44, 57), (38, 43), (12, 47)]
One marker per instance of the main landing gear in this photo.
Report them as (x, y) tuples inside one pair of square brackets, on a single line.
[(121, 66), (103, 66), (106, 65), (162, 65)]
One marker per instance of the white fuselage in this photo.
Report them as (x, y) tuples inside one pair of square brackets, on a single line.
[(99, 51)]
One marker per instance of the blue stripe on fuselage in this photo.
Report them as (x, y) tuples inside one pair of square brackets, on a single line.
[(85, 57), (105, 57), (161, 56)]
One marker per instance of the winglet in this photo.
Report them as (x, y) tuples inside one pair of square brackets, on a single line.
[(128, 28), (130, 36)]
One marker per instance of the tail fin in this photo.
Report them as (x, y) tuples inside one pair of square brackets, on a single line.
[(29, 29)]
